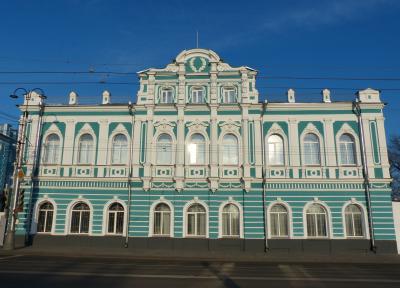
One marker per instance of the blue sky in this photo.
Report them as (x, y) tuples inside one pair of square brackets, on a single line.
[(342, 38)]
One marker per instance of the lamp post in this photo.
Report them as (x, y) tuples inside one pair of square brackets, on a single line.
[(9, 240)]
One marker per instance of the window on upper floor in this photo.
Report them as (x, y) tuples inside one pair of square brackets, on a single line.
[(230, 150), (115, 219), (230, 221), (347, 150), (354, 221), (51, 151), (45, 217), (196, 149), (312, 154), (167, 96), (198, 95), (119, 154), (162, 220), (229, 95), (275, 150), (317, 221), (86, 149), (164, 149), (279, 221)]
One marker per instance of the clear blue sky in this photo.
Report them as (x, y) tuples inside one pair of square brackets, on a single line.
[(342, 38)]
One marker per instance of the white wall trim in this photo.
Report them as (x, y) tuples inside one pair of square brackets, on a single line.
[(69, 213), (105, 216), (35, 216), (290, 213), (364, 220), (328, 219), (241, 226), (151, 217), (184, 223)]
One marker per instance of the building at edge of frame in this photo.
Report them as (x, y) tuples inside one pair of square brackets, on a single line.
[(198, 163)]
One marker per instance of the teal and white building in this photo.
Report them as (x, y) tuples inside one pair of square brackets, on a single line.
[(198, 162)]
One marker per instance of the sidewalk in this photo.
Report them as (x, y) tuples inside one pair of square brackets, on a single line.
[(162, 255)]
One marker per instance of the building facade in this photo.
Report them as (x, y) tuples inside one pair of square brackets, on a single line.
[(199, 163), (7, 157)]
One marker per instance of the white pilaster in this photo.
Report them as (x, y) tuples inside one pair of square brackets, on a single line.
[(102, 148), (294, 151), (331, 161), (380, 130)]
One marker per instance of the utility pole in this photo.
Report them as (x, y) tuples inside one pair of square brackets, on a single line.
[(9, 240)]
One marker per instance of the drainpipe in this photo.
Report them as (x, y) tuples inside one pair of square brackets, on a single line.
[(264, 194), (128, 212), (357, 110)]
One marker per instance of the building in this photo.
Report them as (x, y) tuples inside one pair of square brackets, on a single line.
[(7, 157), (198, 163)]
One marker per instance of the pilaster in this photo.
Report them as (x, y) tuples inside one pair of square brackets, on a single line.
[(330, 151), (294, 143)]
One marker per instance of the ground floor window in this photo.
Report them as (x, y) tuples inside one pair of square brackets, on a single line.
[(230, 221), (115, 219), (162, 220), (354, 221), (196, 221), (45, 218), (317, 222), (80, 218), (279, 221)]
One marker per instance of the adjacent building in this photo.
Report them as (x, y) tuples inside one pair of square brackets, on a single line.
[(7, 157), (199, 163)]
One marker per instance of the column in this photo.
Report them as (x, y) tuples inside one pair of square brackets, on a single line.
[(102, 147), (180, 150), (214, 159), (294, 151), (136, 147), (258, 147), (330, 152), (149, 148), (69, 145), (380, 127)]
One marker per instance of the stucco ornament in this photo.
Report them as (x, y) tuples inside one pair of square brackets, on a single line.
[(197, 69)]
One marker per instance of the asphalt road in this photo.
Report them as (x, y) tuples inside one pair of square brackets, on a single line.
[(55, 271)]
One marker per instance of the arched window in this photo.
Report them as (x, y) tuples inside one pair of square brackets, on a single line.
[(312, 154), (230, 150), (164, 149), (80, 218), (196, 149), (317, 221), (196, 221), (115, 219), (354, 221), (167, 96), (45, 217), (86, 149), (275, 150), (119, 153), (198, 96), (279, 218), (162, 220), (51, 153), (230, 221), (229, 95), (347, 150)]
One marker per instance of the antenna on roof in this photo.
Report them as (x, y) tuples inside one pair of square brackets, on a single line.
[(197, 38)]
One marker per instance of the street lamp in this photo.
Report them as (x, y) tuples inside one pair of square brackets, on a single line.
[(9, 240)]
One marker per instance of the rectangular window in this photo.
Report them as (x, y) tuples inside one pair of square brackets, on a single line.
[(197, 96)]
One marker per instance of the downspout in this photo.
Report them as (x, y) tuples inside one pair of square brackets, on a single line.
[(357, 109), (35, 166), (128, 212), (263, 172)]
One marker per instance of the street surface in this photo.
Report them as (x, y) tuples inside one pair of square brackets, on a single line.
[(112, 272)]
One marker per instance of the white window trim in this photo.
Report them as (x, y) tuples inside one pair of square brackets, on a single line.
[(346, 129), (329, 227), (276, 129), (105, 217), (313, 130), (69, 215), (230, 87), (52, 130), (120, 129), (241, 227), (151, 217), (290, 222), (155, 142), (185, 220), (230, 128), (198, 87), (35, 216), (86, 129), (207, 144), (365, 222), (162, 88)]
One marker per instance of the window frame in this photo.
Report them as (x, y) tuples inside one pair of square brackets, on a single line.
[(235, 96), (340, 151), (115, 213), (289, 220), (283, 150), (186, 219), (57, 151), (220, 220), (91, 153), (223, 151), (35, 219), (70, 217), (194, 94), (120, 162), (152, 222), (364, 220), (328, 221), (320, 151), (187, 152), (165, 90), (172, 154)]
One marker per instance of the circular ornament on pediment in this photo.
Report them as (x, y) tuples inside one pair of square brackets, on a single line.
[(197, 64)]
